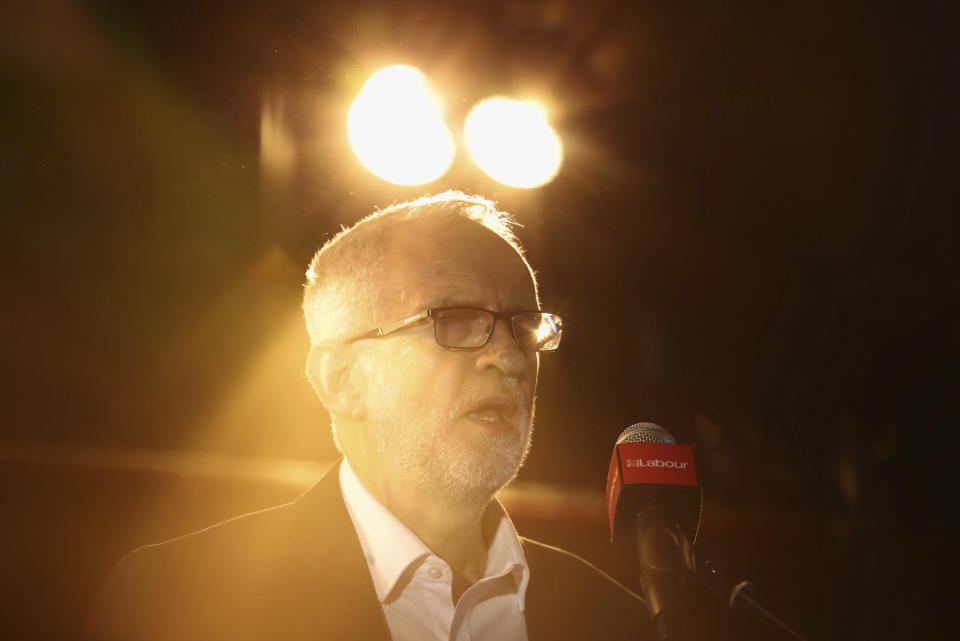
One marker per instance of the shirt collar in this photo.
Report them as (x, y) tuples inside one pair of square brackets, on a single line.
[(392, 551), (505, 553)]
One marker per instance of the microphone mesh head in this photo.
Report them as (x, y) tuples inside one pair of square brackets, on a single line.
[(645, 433)]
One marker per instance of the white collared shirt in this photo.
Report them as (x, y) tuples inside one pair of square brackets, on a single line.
[(414, 585)]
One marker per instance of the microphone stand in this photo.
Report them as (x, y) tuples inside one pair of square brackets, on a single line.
[(741, 597)]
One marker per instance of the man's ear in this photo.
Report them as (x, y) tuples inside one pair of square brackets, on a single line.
[(335, 378)]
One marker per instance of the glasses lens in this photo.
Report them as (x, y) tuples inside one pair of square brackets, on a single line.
[(537, 331), (462, 328)]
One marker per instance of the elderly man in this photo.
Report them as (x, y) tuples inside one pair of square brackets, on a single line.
[(426, 332)]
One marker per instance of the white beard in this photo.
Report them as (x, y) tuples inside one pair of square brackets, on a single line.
[(435, 452)]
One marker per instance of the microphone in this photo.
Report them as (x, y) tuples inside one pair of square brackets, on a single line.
[(653, 500)]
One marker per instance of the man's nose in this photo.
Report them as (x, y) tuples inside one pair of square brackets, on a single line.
[(502, 351)]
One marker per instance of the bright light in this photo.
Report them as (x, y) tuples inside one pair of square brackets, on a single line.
[(396, 129), (544, 331), (513, 142)]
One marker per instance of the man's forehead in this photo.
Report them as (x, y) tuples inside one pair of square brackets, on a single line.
[(442, 245), (450, 261), (431, 236), (444, 282), (506, 268)]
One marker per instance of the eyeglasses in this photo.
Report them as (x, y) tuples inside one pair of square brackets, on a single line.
[(469, 328)]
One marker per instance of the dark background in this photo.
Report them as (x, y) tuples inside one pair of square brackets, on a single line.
[(751, 241)]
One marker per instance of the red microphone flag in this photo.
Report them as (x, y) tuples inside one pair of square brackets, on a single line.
[(647, 464)]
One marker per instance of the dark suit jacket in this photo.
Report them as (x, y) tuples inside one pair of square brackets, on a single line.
[(297, 572)]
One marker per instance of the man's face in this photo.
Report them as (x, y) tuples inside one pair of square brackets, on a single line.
[(457, 422)]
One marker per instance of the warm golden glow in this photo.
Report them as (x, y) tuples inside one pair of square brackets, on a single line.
[(278, 152), (396, 127), (513, 142)]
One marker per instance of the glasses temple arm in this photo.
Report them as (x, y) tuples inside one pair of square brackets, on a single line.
[(400, 324)]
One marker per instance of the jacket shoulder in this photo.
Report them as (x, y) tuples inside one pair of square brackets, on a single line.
[(153, 589), (284, 572)]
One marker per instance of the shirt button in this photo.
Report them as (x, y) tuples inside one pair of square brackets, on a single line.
[(434, 572)]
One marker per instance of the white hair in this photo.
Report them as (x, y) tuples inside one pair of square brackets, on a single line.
[(343, 292)]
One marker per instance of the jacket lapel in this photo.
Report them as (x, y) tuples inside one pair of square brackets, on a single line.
[(328, 577)]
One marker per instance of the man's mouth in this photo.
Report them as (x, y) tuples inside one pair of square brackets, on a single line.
[(487, 414), (493, 411)]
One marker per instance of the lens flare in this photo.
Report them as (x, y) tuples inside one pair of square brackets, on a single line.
[(544, 331), (396, 127), (513, 143)]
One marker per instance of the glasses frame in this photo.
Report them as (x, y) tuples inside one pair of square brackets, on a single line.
[(396, 326)]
